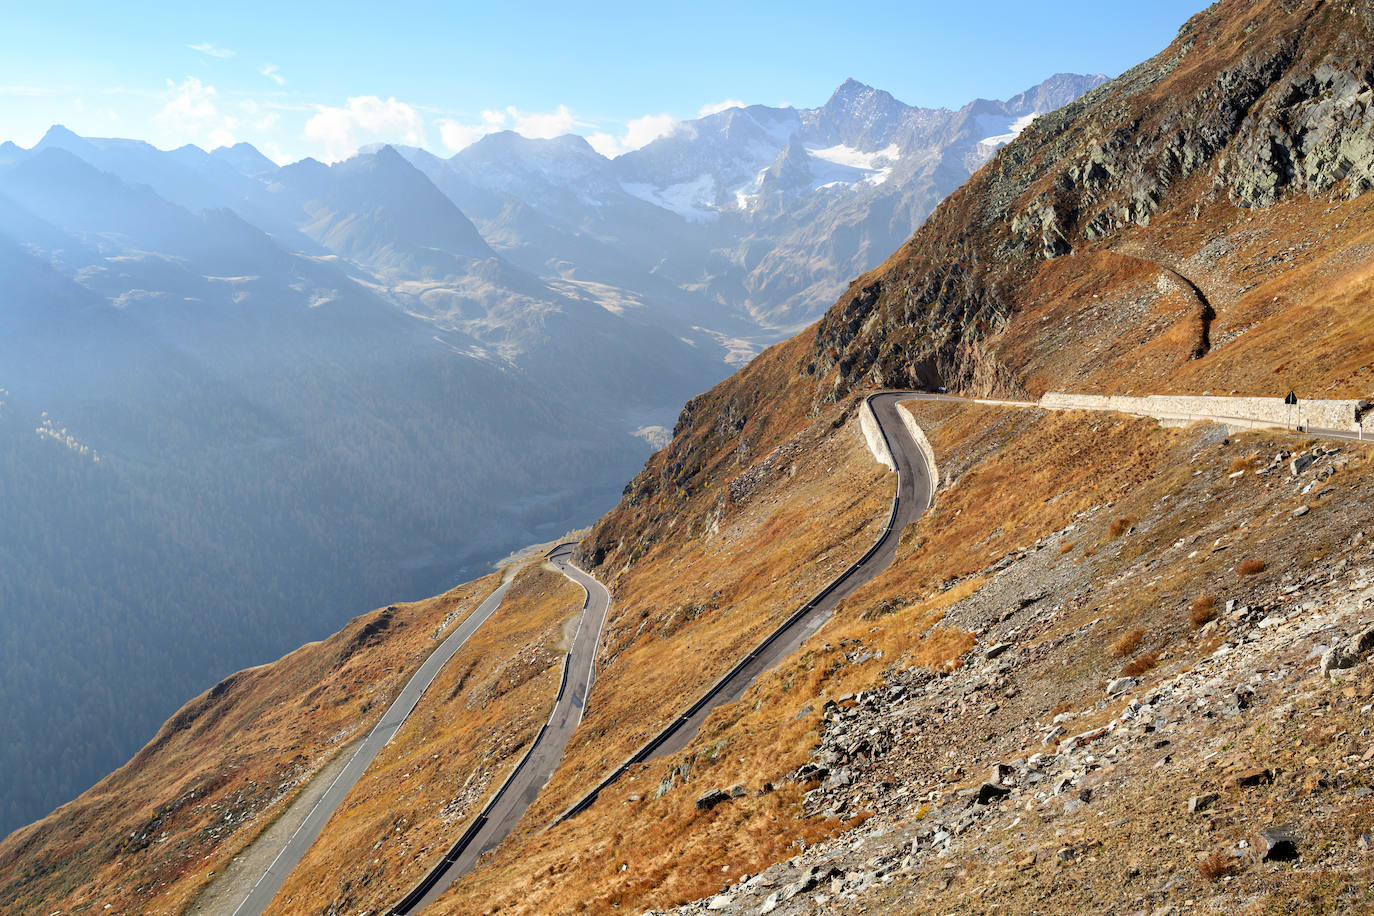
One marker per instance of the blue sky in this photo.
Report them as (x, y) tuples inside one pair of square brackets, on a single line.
[(308, 78)]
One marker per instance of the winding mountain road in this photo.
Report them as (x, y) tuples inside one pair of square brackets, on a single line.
[(291, 854), (913, 497), (508, 805)]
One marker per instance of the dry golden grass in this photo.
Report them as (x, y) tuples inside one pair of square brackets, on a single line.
[(1001, 503), (1140, 664), (1250, 567), (1202, 609), (465, 735), (684, 609), (220, 770), (1128, 643), (677, 851), (1139, 584), (898, 619), (1121, 525), (691, 605), (1216, 866), (1290, 283)]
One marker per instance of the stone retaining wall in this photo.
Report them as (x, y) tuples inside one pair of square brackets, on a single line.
[(868, 422), (1339, 415), (926, 449)]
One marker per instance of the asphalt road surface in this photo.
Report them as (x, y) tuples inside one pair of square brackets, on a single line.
[(262, 893), (910, 503), (913, 497), (512, 799), (914, 493)]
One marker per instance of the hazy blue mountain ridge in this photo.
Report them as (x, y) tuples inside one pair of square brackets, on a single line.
[(241, 402)]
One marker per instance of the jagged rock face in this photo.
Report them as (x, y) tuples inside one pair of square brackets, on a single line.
[(1316, 131), (1268, 98)]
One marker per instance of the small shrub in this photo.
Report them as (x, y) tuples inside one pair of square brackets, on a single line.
[(1138, 666), (1239, 463), (1203, 609), (1215, 866), (1121, 525), (1128, 643), (1250, 567), (1065, 547)]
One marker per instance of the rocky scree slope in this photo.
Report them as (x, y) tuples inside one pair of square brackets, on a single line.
[(1153, 719)]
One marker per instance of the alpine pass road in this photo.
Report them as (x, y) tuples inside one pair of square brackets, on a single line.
[(913, 497), (531, 773), (262, 893), (914, 493)]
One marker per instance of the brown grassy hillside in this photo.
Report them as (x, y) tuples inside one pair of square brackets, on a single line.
[(1110, 530), (1237, 154), (1199, 224), (148, 837), (459, 744)]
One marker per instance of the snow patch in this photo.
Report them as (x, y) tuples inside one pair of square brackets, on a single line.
[(875, 161), (693, 200), (1000, 129)]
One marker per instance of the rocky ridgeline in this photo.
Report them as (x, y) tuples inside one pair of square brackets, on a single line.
[(1066, 793), (1288, 111)]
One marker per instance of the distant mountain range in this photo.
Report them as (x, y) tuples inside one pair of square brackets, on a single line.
[(752, 218), (241, 402)]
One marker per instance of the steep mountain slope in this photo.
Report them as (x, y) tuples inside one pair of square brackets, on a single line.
[(247, 322), (263, 439), (1205, 287), (1253, 115), (1150, 237), (1041, 273), (226, 764)]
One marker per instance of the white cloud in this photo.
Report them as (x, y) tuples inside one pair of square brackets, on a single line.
[(192, 101), (645, 130), (206, 48), (541, 125), (605, 144), (192, 113), (367, 119), (638, 132), (270, 71), (537, 125), (258, 119), (274, 152), (457, 136), (717, 107)]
